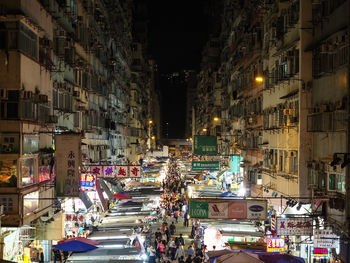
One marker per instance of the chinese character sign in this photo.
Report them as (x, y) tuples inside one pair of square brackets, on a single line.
[(135, 171), (122, 171), (294, 226), (68, 161)]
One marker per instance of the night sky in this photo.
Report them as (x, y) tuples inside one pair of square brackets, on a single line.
[(178, 31)]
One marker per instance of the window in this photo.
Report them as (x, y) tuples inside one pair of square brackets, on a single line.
[(28, 41), (27, 171), (336, 182)]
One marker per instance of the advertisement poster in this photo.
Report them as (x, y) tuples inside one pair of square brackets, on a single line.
[(198, 209), (256, 210), (44, 173), (205, 145), (237, 210), (275, 245), (8, 173), (228, 209), (68, 161), (218, 210)]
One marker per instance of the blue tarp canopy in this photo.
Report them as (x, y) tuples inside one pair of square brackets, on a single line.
[(228, 194), (75, 246)]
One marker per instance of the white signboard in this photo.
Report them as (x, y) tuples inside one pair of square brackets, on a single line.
[(122, 171), (256, 210), (294, 226), (324, 238), (218, 210), (67, 163)]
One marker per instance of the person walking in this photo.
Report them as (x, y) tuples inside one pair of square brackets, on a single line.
[(180, 253)]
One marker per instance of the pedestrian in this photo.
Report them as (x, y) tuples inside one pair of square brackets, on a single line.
[(181, 239), (152, 255), (188, 259), (172, 228), (190, 251), (180, 253)]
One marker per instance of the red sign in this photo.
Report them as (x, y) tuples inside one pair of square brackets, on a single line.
[(237, 210)]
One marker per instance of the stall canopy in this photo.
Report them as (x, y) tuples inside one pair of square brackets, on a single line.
[(121, 196), (75, 245), (239, 257), (85, 199), (106, 189), (280, 258)]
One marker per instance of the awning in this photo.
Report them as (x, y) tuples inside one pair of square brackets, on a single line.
[(290, 94), (85, 199), (106, 189)]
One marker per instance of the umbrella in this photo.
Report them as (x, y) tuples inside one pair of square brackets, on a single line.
[(121, 196), (239, 257), (280, 258), (74, 246)]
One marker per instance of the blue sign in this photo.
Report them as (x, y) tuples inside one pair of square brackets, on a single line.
[(235, 162)]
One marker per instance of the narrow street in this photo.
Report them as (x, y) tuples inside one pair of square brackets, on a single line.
[(128, 231)]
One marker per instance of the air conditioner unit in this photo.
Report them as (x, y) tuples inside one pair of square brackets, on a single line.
[(43, 98), (27, 95)]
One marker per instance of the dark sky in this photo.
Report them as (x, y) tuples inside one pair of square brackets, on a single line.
[(178, 31)]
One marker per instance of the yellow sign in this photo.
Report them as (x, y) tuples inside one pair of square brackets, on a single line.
[(275, 245)]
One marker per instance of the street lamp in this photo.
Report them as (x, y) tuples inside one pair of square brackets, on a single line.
[(259, 79), (216, 119), (204, 129), (150, 121)]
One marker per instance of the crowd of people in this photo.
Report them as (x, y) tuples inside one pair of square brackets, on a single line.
[(166, 245)]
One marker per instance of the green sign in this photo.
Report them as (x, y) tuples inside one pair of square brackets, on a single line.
[(198, 209), (205, 166), (205, 145)]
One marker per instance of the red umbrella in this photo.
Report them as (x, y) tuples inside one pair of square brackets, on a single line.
[(121, 196)]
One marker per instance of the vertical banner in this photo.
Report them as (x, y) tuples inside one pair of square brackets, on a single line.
[(205, 145), (67, 163)]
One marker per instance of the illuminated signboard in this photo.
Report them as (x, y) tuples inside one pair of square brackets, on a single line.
[(88, 181), (275, 245), (44, 173), (321, 253)]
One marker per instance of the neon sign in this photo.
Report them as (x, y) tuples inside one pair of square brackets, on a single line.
[(321, 253), (275, 245)]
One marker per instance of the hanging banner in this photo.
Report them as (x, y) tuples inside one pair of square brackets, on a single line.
[(135, 171), (205, 145), (205, 166), (256, 209), (325, 238), (198, 209), (68, 161), (109, 171), (122, 171), (294, 226), (228, 209), (96, 170), (218, 210)]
